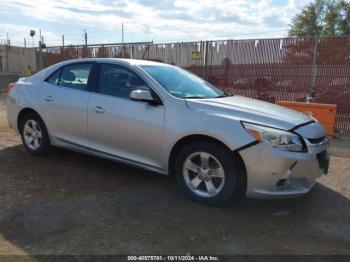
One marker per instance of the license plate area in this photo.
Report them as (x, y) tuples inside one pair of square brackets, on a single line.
[(323, 161)]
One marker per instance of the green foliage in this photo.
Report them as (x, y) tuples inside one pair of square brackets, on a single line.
[(321, 18)]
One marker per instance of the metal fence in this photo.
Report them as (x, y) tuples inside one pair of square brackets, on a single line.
[(268, 69)]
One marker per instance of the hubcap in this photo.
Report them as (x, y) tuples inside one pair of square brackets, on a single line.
[(204, 175), (32, 134)]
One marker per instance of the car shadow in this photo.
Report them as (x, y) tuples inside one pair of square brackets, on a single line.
[(71, 203)]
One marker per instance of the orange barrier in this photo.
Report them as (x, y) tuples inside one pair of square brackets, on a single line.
[(325, 113)]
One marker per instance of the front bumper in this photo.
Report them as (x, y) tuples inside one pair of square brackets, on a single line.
[(272, 173)]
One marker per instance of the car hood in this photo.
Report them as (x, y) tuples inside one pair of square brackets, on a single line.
[(250, 110)]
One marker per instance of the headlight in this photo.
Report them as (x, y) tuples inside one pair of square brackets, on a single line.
[(280, 139)]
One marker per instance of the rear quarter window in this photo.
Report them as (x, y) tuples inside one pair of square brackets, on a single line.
[(54, 79)]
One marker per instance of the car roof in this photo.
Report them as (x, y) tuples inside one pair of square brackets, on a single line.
[(117, 60), (42, 74)]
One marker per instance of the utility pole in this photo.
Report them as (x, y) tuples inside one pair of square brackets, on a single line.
[(25, 42), (123, 33), (62, 40), (85, 37), (7, 39)]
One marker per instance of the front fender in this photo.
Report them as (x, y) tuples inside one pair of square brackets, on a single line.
[(190, 122)]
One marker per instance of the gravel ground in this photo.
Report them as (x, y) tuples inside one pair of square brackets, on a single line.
[(70, 203)]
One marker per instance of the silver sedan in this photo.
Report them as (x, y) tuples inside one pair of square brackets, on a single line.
[(162, 118)]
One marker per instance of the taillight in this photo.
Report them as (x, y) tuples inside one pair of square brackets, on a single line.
[(9, 87)]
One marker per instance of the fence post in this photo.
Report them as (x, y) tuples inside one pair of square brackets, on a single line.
[(7, 62), (148, 51), (314, 67), (40, 56), (226, 63), (205, 54)]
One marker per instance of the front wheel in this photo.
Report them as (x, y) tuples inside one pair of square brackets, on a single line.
[(206, 173)]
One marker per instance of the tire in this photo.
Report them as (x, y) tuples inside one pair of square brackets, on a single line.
[(195, 187), (37, 141)]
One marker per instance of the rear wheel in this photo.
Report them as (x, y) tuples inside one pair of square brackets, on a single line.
[(34, 134), (206, 173)]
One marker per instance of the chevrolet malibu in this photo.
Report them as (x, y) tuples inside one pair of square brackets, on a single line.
[(162, 118)]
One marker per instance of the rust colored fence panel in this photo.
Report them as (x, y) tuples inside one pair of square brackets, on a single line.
[(268, 69)]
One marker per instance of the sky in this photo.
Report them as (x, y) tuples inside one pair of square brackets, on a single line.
[(160, 21)]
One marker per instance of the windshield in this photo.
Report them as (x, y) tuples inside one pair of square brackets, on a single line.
[(181, 83)]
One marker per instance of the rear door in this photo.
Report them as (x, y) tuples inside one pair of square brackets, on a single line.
[(65, 100), (119, 126)]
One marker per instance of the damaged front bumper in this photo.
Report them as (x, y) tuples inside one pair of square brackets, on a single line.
[(273, 173)]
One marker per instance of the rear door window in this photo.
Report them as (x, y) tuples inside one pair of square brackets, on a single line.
[(75, 76)]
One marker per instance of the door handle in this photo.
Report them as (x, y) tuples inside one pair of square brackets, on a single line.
[(98, 109), (49, 98)]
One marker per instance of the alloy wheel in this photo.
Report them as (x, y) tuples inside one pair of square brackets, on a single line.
[(32, 134), (204, 175)]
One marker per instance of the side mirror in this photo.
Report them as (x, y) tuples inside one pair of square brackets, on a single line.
[(142, 95)]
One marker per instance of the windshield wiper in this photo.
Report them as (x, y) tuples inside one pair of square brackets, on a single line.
[(226, 94), (193, 97)]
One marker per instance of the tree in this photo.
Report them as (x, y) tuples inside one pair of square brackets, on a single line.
[(322, 17)]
